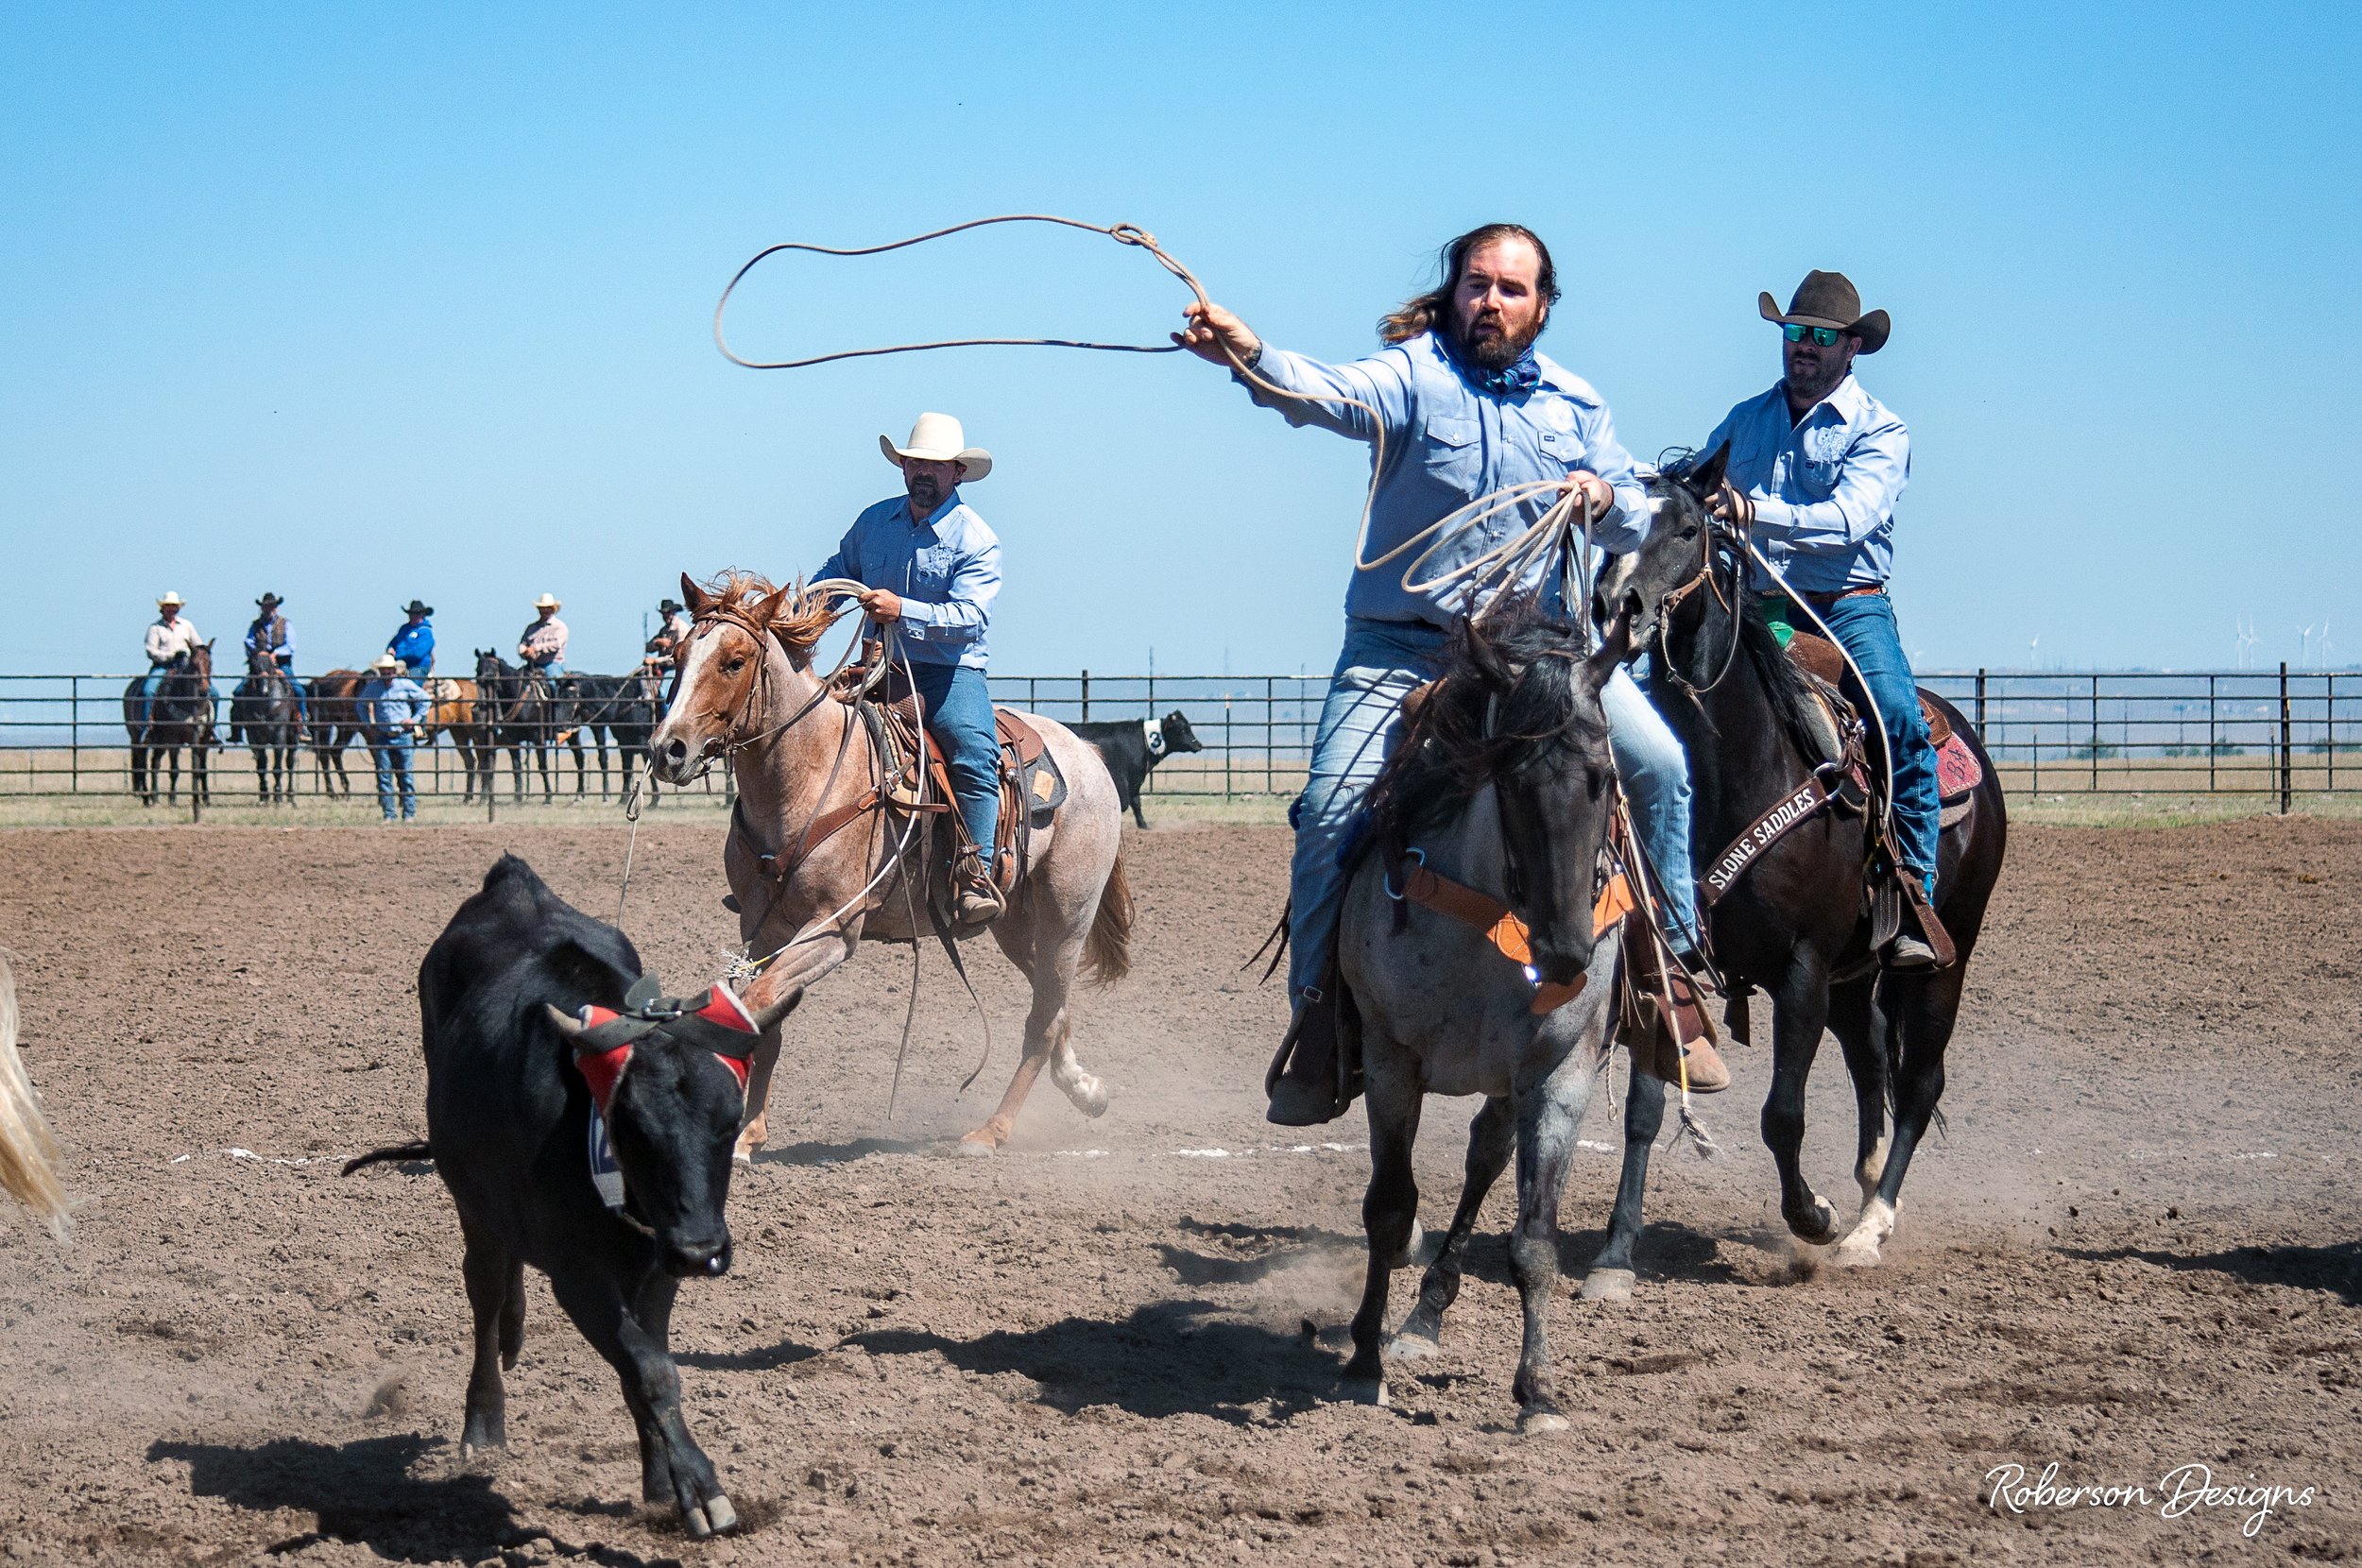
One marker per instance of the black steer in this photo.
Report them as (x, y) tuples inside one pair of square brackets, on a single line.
[(515, 1081), (1132, 747)]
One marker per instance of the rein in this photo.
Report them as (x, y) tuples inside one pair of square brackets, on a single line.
[(1706, 577)]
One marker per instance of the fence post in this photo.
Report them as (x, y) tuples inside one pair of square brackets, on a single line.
[(74, 730), (2212, 742), (1269, 686), (1980, 702), (1225, 745), (1086, 696), (2286, 757), (2095, 735)]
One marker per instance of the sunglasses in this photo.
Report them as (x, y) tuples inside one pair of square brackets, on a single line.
[(1825, 337)]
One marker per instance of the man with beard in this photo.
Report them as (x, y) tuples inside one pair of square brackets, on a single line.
[(932, 569), (1815, 466), (1467, 407)]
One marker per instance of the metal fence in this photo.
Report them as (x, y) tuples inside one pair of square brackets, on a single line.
[(2277, 733)]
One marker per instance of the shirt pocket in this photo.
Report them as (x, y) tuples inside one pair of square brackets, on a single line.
[(1455, 449), (931, 571)]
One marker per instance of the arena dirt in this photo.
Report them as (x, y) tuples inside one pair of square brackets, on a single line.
[(2136, 1249)]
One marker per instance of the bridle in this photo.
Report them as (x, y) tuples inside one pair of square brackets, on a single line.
[(758, 692), (1708, 577)]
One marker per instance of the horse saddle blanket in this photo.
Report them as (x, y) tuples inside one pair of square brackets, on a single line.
[(1957, 771)]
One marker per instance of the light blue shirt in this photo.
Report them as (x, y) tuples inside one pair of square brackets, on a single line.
[(945, 569), (390, 705), (1824, 485), (1447, 443)]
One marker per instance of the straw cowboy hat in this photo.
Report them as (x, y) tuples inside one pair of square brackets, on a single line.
[(937, 439), (547, 602), (385, 661), (418, 608), (170, 600), (1828, 300)]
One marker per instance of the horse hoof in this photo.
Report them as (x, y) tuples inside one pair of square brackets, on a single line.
[(1364, 1391), (1412, 1347), (719, 1516), (976, 1145), (1820, 1229), (1091, 1097), (1410, 1253), (1607, 1285), (1855, 1253), (1540, 1423)]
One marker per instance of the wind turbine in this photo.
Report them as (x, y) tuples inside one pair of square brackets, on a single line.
[(2304, 646), (2031, 649), (2246, 640)]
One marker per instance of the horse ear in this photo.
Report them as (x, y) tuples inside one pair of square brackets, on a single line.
[(692, 597), (1486, 658), (1707, 478)]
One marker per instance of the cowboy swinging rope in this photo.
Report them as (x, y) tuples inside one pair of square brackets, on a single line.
[(1508, 560)]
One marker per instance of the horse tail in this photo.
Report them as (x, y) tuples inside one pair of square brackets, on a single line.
[(29, 1152), (1107, 951)]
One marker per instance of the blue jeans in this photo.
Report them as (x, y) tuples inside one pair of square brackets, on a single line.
[(150, 685), (1381, 662), (1865, 623), (393, 763), (959, 716)]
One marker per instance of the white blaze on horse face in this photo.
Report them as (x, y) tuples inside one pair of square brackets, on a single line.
[(696, 662)]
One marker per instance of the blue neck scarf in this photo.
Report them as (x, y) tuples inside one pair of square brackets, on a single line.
[(1508, 381)]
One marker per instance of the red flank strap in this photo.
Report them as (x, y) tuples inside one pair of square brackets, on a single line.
[(723, 1008)]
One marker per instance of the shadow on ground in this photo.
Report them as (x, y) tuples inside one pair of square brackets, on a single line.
[(770, 1357), (839, 1153), (2337, 1269), (1167, 1358)]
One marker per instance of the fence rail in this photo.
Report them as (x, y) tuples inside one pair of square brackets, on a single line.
[(2279, 733)]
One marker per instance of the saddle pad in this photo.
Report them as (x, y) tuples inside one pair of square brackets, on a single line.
[(1958, 771)]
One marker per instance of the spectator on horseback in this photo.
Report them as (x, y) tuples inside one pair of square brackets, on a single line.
[(392, 706), (413, 642), (170, 638), (544, 645), (269, 636), (673, 628), (1467, 407), (932, 568), (1815, 466)]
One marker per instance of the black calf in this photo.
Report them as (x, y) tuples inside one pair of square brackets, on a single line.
[(1132, 747), (520, 1063)]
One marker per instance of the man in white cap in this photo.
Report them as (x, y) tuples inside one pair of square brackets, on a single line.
[(392, 707), (171, 636), (544, 645), (933, 568)]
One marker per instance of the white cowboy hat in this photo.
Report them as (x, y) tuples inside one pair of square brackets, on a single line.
[(385, 661), (172, 599), (547, 602), (937, 439)]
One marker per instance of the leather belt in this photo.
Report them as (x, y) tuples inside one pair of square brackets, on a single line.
[(1824, 600)]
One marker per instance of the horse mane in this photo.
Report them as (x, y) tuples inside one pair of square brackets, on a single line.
[(1445, 755), (799, 622)]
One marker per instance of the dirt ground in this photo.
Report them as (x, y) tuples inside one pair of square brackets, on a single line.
[(2136, 1250)]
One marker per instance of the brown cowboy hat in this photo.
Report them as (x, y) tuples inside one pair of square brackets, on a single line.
[(1829, 299)]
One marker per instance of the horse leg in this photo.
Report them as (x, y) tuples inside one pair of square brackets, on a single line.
[(1920, 1013), (1549, 1115), (1611, 1275), (1855, 1019), (789, 974), (1389, 1208), (496, 1290), (1800, 1012), (1492, 1137)]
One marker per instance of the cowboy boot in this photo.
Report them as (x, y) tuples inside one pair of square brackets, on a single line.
[(1305, 1077), (1663, 1051), (975, 900)]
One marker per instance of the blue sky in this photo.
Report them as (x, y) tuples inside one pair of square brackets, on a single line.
[(355, 302)]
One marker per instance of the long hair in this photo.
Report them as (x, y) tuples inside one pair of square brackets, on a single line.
[(1431, 311)]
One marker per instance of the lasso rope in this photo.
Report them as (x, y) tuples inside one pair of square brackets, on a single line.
[(1514, 555)]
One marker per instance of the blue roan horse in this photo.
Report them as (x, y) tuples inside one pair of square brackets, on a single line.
[(1504, 784)]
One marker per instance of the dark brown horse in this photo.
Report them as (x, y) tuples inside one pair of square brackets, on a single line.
[(523, 712), (180, 714), (1795, 923), (336, 724), (265, 714), (456, 708)]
